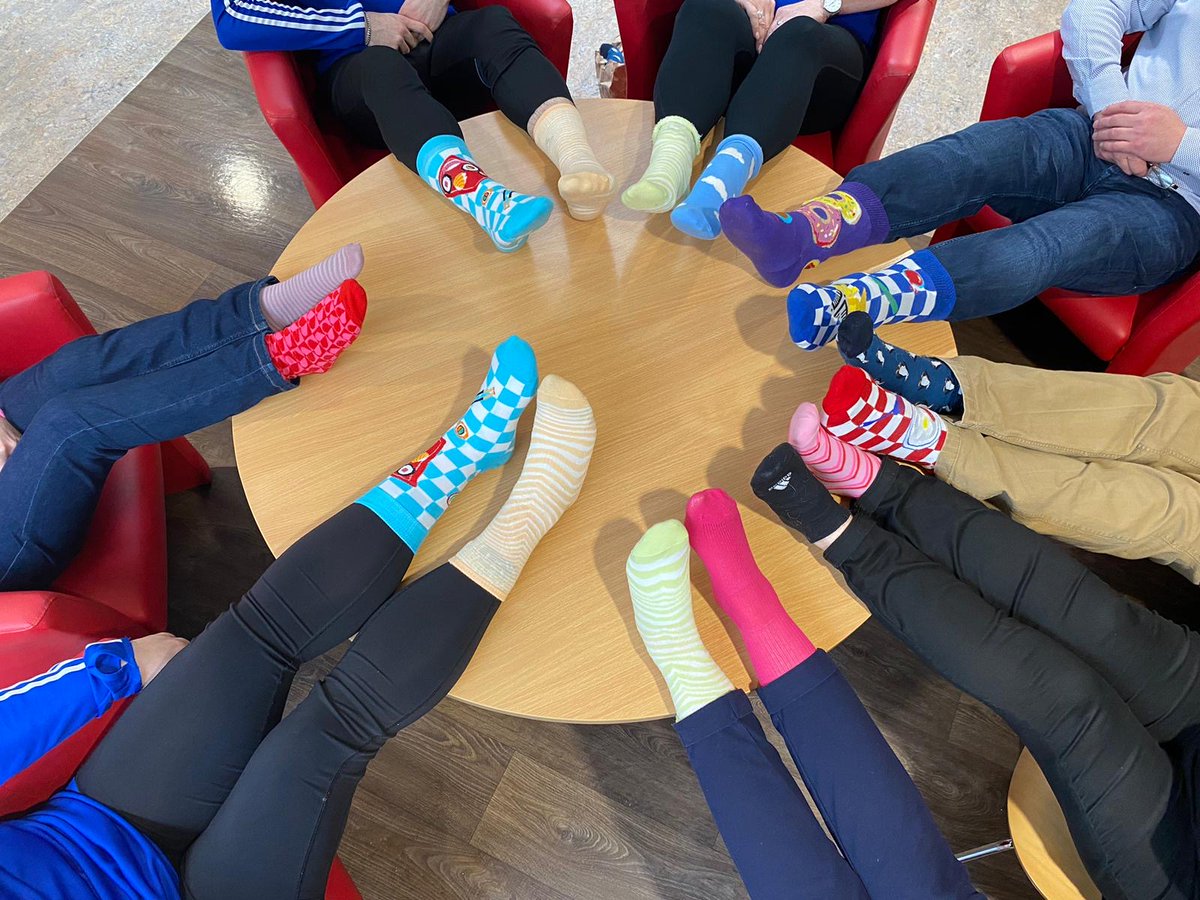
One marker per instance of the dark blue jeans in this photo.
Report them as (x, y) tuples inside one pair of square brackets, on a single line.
[(890, 847), (1079, 223), (83, 407)]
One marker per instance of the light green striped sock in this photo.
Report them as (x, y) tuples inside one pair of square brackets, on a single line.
[(659, 582), (675, 144)]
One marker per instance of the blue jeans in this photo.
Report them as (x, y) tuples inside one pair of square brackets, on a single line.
[(83, 407), (1079, 223), (890, 847)]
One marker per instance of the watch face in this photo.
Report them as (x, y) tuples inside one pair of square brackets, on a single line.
[(833, 7)]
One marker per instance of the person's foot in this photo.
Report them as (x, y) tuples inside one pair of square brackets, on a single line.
[(285, 302), (313, 343), (842, 468), (860, 412), (926, 380), (783, 482), (586, 193), (776, 244), (738, 159), (674, 148)]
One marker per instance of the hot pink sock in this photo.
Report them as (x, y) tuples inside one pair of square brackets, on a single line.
[(843, 468), (776, 644)]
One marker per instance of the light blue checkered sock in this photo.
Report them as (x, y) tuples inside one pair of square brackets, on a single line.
[(508, 217), (413, 498), (738, 159)]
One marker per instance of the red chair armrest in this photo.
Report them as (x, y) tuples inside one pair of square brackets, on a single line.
[(904, 32), (549, 22), (645, 27), (1166, 336), (37, 316), (285, 105)]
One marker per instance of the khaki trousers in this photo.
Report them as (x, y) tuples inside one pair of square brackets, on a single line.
[(1109, 463)]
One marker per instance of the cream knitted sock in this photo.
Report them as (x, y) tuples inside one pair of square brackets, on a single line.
[(560, 449), (585, 185)]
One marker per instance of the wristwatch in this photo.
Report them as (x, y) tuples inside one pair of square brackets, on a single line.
[(833, 7)]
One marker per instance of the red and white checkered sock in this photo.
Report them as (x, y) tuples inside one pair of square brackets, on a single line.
[(312, 343), (861, 413)]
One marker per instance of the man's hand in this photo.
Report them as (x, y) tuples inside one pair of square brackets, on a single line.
[(1130, 165), (1149, 132), (429, 12), (397, 31), (762, 15), (8, 440), (152, 653), (806, 9)]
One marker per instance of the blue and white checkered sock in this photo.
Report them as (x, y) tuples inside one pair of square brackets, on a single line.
[(413, 498), (915, 289), (737, 160), (507, 216)]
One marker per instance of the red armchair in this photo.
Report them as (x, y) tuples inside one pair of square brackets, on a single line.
[(1158, 331), (117, 586), (646, 26), (326, 156)]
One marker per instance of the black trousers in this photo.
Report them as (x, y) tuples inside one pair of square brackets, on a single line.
[(805, 80), (1097, 687), (253, 807), (388, 99)]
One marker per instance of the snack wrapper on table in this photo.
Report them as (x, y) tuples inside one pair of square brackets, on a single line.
[(610, 71)]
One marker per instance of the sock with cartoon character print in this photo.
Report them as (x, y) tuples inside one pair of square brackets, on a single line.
[(926, 380)]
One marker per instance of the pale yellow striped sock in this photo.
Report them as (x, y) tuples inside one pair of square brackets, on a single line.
[(564, 432), (674, 146), (661, 588), (585, 185)]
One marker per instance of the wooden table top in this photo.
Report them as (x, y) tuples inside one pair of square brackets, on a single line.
[(681, 349)]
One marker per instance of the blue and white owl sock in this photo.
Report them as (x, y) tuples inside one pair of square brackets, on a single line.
[(915, 289), (507, 216), (925, 380), (413, 498), (737, 160)]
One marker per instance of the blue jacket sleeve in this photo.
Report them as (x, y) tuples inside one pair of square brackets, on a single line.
[(38, 714), (270, 25)]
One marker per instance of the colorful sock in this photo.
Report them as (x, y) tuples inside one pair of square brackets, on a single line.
[(675, 144), (783, 482), (842, 468), (915, 289), (658, 571), (585, 185), (926, 380), (782, 245), (860, 412), (508, 217), (738, 159), (285, 302), (413, 497), (564, 432), (312, 344), (775, 643)]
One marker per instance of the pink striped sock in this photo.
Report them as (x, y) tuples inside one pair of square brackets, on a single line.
[(775, 643), (286, 302), (843, 468)]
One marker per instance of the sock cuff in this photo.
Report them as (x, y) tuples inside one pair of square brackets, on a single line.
[(539, 114), (776, 646), (437, 145), (880, 227), (931, 266), (670, 123), (394, 517), (750, 143)]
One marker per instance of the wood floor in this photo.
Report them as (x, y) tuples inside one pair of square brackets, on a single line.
[(181, 192)]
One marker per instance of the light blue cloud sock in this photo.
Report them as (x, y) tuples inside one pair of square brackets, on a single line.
[(413, 498), (737, 160), (507, 216)]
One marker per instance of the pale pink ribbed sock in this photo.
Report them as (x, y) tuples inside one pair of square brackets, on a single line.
[(842, 468), (775, 643), (286, 302)]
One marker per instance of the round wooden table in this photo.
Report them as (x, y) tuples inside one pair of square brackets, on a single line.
[(681, 349)]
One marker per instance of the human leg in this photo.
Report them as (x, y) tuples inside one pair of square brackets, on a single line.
[(1021, 167), (712, 47), (807, 72), (1114, 782)]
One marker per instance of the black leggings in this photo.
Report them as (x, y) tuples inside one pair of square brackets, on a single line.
[(247, 805), (805, 80), (1096, 686), (388, 99)]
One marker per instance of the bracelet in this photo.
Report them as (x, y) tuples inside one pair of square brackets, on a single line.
[(366, 30)]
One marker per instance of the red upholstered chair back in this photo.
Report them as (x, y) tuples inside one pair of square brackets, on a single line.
[(117, 586), (646, 27), (1138, 334), (285, 85)]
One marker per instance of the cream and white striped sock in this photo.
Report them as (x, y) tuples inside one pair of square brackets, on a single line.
[(661, 588), (560, 448), (585, 186)]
